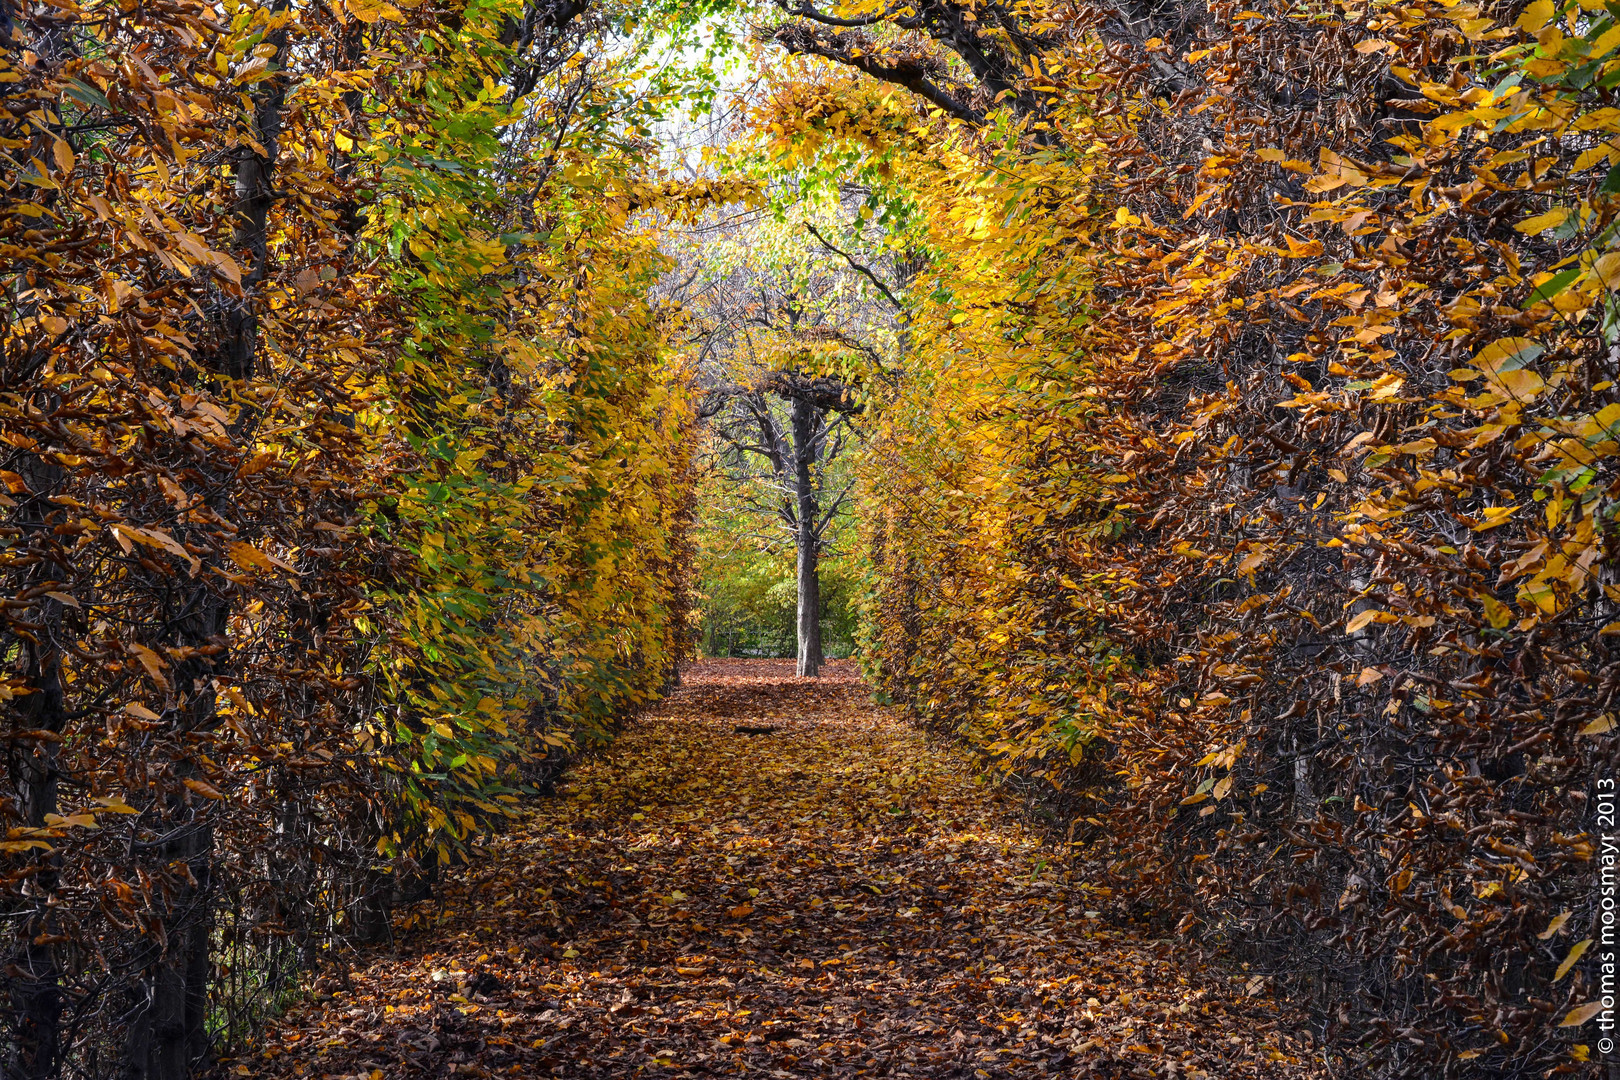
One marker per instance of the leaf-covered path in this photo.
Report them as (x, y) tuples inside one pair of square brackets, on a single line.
[(837, 897)]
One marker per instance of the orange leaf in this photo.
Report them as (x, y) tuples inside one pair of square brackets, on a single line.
[(207, 791), (152, 662)]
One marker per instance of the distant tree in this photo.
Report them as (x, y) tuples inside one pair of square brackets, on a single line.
[(777, 437), (788, 326)]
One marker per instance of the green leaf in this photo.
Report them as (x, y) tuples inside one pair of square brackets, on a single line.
[(85, 94), (1551, 287)]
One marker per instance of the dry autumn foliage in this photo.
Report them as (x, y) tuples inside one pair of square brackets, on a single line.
[(342, 476), (836, 897), (1241, 481), (1251, 490)]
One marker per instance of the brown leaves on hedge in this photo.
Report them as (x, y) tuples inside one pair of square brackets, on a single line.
[(838, 897), (1290, 572)]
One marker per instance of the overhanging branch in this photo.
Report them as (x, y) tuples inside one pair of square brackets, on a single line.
[(859, 267), (857, 51)]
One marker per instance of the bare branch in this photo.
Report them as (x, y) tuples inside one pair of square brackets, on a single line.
[(860, 267)]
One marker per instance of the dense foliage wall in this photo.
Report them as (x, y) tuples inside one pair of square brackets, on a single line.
[(1250, 480), (342, 472)]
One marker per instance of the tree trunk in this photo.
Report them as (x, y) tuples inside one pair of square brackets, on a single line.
[(805, 421), (167, 1037), (34, 968), (809, 608)]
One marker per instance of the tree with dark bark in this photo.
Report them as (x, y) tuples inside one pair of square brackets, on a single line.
[(962, 58), (780, 435), (788, 323)]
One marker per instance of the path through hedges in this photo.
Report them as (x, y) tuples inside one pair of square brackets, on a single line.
[(835, 897)]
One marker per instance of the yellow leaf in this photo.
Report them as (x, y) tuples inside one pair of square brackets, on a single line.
[(140, 711), (1575, 954), (1606, 270), (1494, 516), (1253, 562), (257, 463), (1451, 122), (252, 71), (1385, 387), (159, 538), (1360, 621), (249, 557), (1510, 385), (226, 266), (369, 11), (1336, 173), (1593, 156), (1357, 444), (1222, 786), (1543, 222), (1601, 726), (1537, 594), (1605, 43), (23, 845), (1556, 925), (1581, 1014), (1507, 354), (83, 821), (1600, 119), (1535, 16)]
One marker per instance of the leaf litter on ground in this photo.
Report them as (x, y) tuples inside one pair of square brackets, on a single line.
[(840, 897)]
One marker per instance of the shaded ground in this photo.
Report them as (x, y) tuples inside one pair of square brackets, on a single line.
[(837, 897)]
